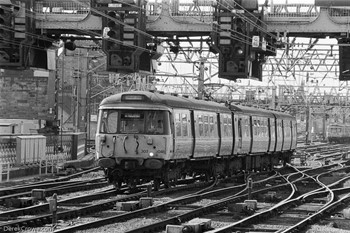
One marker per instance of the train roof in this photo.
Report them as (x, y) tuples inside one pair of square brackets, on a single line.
[(259, 112), (338, 125), (157, 98), (251, 110), (283, 115)]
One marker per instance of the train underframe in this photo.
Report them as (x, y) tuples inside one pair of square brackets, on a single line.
[(132, 174), (339, 140)]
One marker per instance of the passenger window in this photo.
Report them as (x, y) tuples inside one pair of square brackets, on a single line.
[(184, 125), (177, 125), (247, 128), (211, 122), (200, 125), (229, 126), (240, 128), (206, 126), (226, 130)]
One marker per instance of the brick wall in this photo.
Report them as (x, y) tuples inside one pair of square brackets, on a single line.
[(26, 94)]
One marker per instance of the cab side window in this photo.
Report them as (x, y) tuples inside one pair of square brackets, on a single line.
[(109, 121)]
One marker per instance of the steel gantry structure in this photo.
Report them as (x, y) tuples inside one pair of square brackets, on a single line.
[(199, 43)]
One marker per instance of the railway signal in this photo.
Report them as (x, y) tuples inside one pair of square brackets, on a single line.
[(344, 60)]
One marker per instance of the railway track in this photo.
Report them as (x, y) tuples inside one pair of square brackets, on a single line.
[(23, 195), (310, 187), (161, 208), (296, 213), (44, 184), (19, 220), (190, 202)]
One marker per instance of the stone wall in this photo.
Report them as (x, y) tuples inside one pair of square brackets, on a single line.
[(26, 94)]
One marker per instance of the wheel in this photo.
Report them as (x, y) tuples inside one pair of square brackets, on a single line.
[(132, 184), (156, 184), (117, 185)]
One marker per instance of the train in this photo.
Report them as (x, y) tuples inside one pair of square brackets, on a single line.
[(149, 136), (338, 133)]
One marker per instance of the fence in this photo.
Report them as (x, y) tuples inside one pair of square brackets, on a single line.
[(17, 150)]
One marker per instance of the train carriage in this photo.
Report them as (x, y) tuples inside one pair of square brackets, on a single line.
[(146, 136), (286, 132), (338, 133), (257, 136)]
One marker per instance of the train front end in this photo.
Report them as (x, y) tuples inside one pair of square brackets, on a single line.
[(133, 140)]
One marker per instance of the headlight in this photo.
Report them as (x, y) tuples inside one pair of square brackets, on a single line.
[(151, 154)]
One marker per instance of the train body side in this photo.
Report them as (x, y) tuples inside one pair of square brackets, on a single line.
[(195, 134)]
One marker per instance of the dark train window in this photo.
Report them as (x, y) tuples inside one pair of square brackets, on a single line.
[(240, 127), (206, 126), (247, 127), (200, 125), (228, 127), (255, 127), (211, 125), (287, 129), (184, 125)]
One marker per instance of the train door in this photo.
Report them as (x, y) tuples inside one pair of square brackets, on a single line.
[(238, 135), (286, 126), (279, 134), (272, 134), (246, 134), (207, 134), (184, 137), (294, 135), (289, 133), (226, 134)]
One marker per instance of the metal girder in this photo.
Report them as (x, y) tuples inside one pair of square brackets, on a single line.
[(304, 59)]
